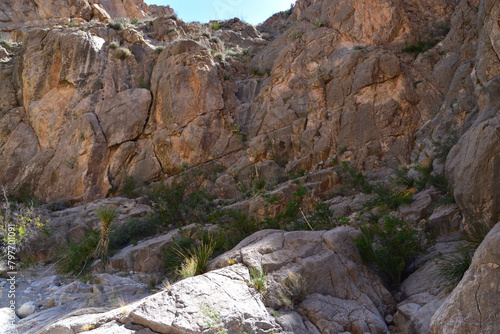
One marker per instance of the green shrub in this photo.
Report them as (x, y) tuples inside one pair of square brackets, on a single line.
[(172, 256), (390, 246), (388, 197), (114, 45), (215, 26), (129, 187), (444, 147), (289, 217), (72, 24), (75, 257), (175, 205), (134, 230), (427, 178), (233, 226), (20, 223), (159, 49), (134, 21), (353, 178)]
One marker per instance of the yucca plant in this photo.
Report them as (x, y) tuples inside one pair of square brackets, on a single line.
[(106, 214)]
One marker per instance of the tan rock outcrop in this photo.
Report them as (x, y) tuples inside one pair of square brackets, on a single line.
[(19, 16), (473, 305)]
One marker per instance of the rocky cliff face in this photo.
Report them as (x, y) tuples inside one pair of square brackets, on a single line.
[(334, 83), (89, 100)]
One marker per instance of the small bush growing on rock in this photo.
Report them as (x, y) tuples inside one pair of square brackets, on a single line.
[(390, 246), (159, 49), (134, 21), (123, 53)]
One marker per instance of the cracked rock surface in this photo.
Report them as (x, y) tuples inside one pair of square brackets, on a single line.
[(473, 306)]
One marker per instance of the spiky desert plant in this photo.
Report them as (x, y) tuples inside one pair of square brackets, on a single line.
[(195, 260), (106, 214)]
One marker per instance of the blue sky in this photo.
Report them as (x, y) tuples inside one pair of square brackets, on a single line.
[(252, 11)]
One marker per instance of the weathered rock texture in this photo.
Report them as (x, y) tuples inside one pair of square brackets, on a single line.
[(473, 305), (19, 16), (340, 294)]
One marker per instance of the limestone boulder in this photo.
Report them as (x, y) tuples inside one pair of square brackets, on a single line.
[(146, 256), (474, 303), (472, 167), (353, 293), (26, 310), (189, 305)]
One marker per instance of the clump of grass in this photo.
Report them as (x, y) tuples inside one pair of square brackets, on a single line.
[(317, 23), (143, 83), (114, 45), (195, 260), (261, 72), (296, 35), (293, 290), (159, 49), (123, 53), (134, 21), (118, 24), (258, 279), (452, 267), (106, 214)]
